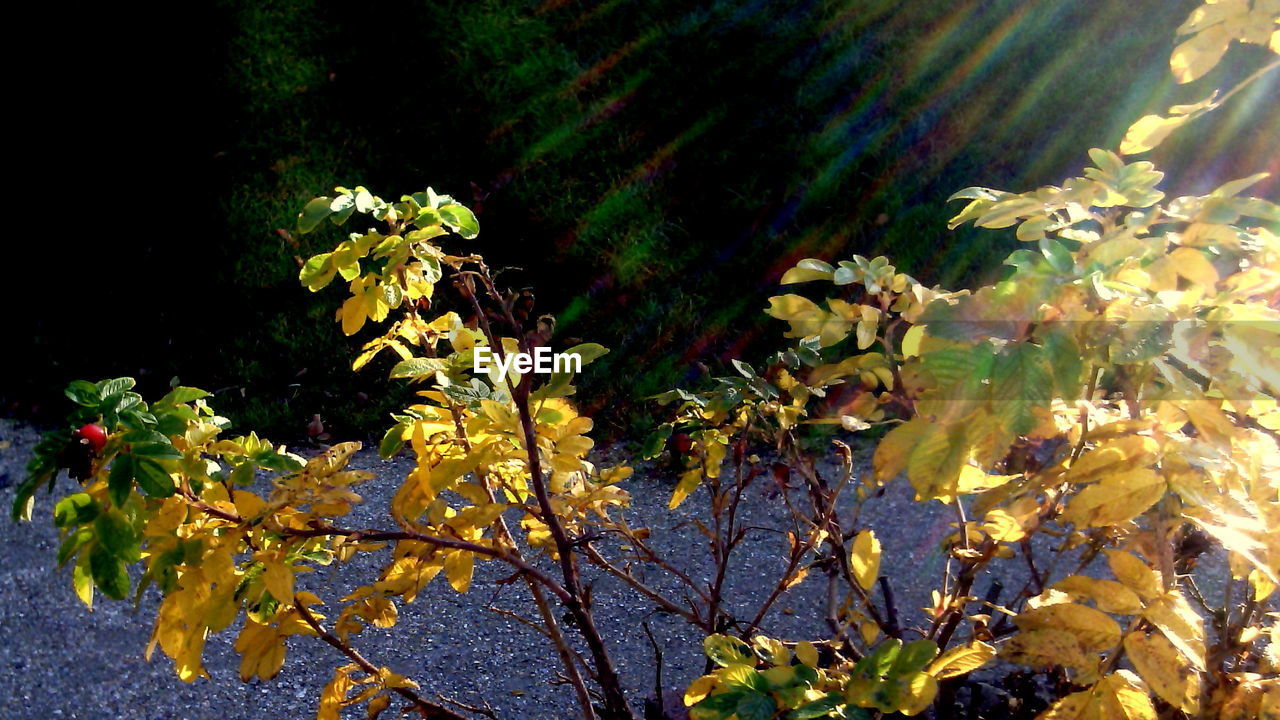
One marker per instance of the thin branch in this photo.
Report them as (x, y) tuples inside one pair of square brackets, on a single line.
[(425, 707)]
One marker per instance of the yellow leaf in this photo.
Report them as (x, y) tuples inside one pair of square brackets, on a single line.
[(279, 580), (962, 659), (911, 341), (1093, 629), (689, 481), (1191, 264), (352, 315), (894, 450), (864, 559), (1148, 132), (808, 320), (773, 650), (247, 504), (458, 565), (936, 460), (1180, 625), (82, 580), (699, 689), (1118, 455), (1013, 523), (1046, 648), (974, 480), (869, 631), (1165, 670), (1116, 498), (807, 654), (1135, 574), (796, 578), (918, 694), (1198, 55), (1118, 696), (377, 706), (1108, 595)]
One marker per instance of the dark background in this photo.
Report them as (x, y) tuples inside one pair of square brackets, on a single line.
[(653, 167)]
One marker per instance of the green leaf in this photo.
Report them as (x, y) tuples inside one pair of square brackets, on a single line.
[(312, 213), (108, 573), (1065, 362), (725, 650), (461, 220), (120, 479), (1020, 384), (341, 208), (116, 535), (656, 441), (807, 270), (1057, 254), (76, 509), (392, 441), (157, 450), (317, 272), (717, 707), (817, 708), (84, 393), (913, 657), (115, 386), (72, 543), (884, 656), (756, 706), (82, 581), (183, 394), (418, 368), (152, 477), (588, 352)]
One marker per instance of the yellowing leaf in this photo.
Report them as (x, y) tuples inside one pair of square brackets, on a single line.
[(689, 481), (919, 691), (1093, 629), (962, 659), (864, 559), (1117, 498), (279, 580), (699, 689), (1119, 455), (1148, 132), (1047, 647), (1165, 670), (82, 580), (1180, 625), (911, 341), (1198, 55), (894, 450), (1013, 523), (807, 270), (1135, 574), (1191, 264), (806, 653), (1108, 595), (936, 460), (1118, 696), (457, 568)]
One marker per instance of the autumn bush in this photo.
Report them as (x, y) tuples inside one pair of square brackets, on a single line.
[(1102, 421)]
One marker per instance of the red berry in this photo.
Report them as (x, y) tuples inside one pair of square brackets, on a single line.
[(94, 435), (682, 443)]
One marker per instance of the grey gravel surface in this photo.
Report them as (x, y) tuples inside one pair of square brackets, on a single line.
[(60, 661)]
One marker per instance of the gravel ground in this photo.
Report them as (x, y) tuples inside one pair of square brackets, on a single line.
[(61, 661)]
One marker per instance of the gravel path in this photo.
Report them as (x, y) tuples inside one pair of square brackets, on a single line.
[(60, 661)]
